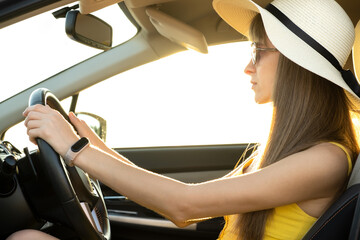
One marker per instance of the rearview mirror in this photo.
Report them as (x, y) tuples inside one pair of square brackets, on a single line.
[(88, 30)]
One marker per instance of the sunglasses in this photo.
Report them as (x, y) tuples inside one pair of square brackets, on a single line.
[(255, 57)]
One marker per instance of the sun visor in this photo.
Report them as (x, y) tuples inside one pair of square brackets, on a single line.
[(89, 6), (144, 3), (177, 31)]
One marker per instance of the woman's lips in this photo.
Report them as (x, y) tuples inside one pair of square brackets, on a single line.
[(253, 84)]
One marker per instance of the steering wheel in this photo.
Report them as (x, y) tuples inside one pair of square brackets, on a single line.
[(78, 195)]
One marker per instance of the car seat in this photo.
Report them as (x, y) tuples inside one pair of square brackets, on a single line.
[(342, 220)]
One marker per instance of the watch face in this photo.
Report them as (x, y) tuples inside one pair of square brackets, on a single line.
[(79, 144)]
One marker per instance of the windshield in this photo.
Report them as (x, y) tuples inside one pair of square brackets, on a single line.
[(37, 48)]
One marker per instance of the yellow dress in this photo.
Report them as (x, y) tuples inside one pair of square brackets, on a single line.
[(288, 222)]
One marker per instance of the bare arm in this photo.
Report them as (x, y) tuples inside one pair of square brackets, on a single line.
[(296, 178)]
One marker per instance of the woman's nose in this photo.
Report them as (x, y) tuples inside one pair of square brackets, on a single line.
[(250, 68)]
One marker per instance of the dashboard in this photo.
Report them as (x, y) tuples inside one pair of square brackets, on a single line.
[(15, 210)]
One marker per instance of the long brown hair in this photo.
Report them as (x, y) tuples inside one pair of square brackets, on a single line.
[(308, 110)]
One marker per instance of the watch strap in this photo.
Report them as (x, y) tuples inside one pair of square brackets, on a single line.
[(73, 151)]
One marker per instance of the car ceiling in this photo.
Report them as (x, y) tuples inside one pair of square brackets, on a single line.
[(184, 10), (200, 16)]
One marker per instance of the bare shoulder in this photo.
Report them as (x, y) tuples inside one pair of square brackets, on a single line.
[(329, 147), (326, 160), (329, 153), (323, 154), (324, 164)]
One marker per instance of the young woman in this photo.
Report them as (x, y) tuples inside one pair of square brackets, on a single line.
[(279, 192)]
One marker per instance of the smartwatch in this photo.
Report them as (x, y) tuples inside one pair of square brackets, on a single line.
[(75, 149)]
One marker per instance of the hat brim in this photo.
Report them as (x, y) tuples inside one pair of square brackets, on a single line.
[(356, 51), (239, 15)]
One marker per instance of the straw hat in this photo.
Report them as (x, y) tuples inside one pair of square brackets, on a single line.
[(356, 51), (315, 34)]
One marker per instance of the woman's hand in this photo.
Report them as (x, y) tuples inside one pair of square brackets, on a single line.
[(85, 131), (48, 124)]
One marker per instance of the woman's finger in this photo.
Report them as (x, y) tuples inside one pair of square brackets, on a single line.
[(34, 124), (74, 120), (33, 115), (82, 128), (85, 131), (36, 108), (33, 134)]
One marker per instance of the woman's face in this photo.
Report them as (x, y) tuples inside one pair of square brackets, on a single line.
[(263, 72)]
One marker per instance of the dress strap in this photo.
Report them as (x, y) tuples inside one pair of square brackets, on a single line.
[(240, 169), (347, 155)]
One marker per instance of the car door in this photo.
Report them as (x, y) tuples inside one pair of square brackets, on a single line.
[(187, 117), (190, 164)]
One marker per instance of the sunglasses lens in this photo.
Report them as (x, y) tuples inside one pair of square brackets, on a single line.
[(253, 53)]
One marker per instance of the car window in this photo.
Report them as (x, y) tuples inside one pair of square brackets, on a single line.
[(37, 48), (184, 99)]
